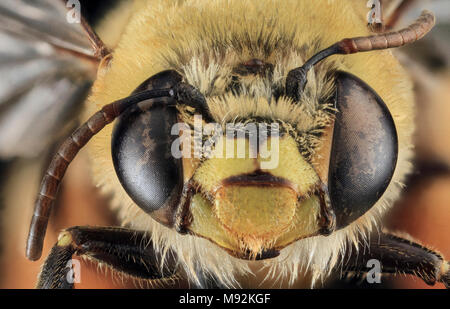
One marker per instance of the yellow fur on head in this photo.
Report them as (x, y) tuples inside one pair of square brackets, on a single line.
[(204, 40)]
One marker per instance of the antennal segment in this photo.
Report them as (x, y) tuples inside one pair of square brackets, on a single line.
[(296, 78)]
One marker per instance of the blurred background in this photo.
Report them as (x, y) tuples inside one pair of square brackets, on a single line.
[(423, 211)]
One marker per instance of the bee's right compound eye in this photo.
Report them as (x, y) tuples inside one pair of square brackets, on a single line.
[(364, 150), (141, 152)]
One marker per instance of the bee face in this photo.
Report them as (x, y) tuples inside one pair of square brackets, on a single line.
[(329, 148), (253, 207), (235, 199)]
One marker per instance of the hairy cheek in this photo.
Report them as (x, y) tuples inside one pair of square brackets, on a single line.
[(424, 214)]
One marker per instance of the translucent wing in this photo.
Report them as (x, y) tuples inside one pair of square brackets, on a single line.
[(46, 66)]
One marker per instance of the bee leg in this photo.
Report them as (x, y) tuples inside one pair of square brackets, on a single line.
[(123, 250), (399, 256)]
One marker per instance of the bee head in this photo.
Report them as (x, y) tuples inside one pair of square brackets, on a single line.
[(265, 184), (249, 186), (235, 199)]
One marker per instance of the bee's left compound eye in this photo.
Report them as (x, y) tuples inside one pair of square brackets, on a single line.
[(364, 150), (141, 152)]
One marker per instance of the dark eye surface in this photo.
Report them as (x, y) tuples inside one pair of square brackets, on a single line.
[(141, 152), (364, 151)]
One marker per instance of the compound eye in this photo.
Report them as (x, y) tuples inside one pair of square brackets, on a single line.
[(141, 152), (364, 150)]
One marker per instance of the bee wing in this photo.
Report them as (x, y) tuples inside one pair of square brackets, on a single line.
[(46, 66), (45, 20)]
